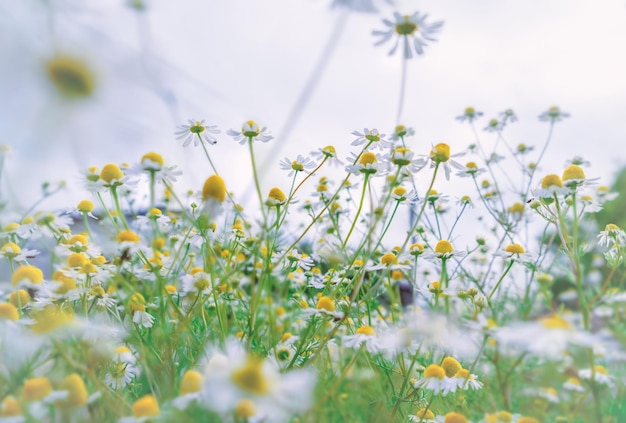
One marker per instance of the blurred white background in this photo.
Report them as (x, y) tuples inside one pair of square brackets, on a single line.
[(230, 61)]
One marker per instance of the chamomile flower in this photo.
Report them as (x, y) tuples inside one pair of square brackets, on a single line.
[(599, 374), (434, 379), (401, 132), (470, 170), (295, 259), (190, 389), (144, 409), (549, 338), (234, 378), (367, 164), (366, 336), (423, 415), (327, 153), (553, 114), (465, 380), (443, 251), (250, 130), (494, 125), (300, 164), (574, 177), (551, 185), (196, 282), (412, 30), (440, 155), (392, 261), (515, 252), (612, 234), (12, 251), (324, 307), (372, 138), (578, 161), (198, 132), (469, 114), (508, 116), (213, 196), (153, 164)]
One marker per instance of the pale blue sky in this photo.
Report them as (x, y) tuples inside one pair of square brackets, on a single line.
[(229, 61)]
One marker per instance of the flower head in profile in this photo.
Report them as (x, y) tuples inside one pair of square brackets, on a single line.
[(366, 164), (553, 114), (494, 125), (470, 169), (371, 137), (440, 155), (198, 132), (551, 185), (213, 195), (298, 165), (327, 153), (470, 114), (250, 131), (401, 132), (412, 30)]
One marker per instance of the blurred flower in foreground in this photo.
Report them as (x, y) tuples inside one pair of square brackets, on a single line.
[(553, 114), (197, 131), (248, 386), (411, 29)]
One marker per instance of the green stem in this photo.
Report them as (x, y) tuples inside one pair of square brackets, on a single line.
[(358, 212)]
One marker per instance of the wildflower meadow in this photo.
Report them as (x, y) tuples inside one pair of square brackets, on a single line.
[(413, 280)]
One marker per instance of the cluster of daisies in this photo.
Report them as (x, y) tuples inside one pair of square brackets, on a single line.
[(192, 307)]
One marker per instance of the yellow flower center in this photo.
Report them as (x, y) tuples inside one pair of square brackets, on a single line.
[(399, 191), (19, 298), (366, 330), (30, 273), (573, 172), (471, 165), (425, 414), (111, 172), (192, 382), (515, 249), (146, 406), (10, 249), (252, 131), (388, 259), (36, 389), (250, 377), (455, 418), (277, 196), (77, 260), (517, 208), (214, 188), (434, 371), (85, 206), (71, 77), (153, 157), (368, 158), (76, 391), (440, 153), (525, 419), (443, 247), (127, 236), (325, 303), (551, 181), (601, 369), (245, 409), (555, 322), (451, 366), (10, 407), (8, 312)]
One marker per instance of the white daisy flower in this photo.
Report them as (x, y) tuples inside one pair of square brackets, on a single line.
[(250, 130), (365, 335), (294, 166), (372, 138), (553, 114), (469, 114), (329, 153), (197, 131), (412, 30)]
